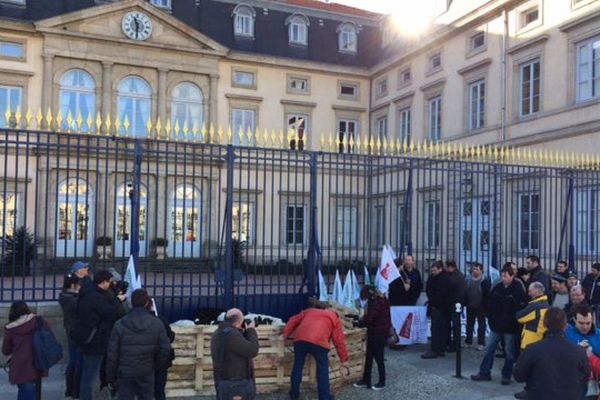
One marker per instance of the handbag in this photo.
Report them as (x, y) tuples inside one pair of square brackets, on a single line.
[(592, 388)]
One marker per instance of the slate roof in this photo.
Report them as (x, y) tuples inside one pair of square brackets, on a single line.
[(214, 19)]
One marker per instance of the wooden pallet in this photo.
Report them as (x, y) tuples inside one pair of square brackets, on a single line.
[(191, 373)]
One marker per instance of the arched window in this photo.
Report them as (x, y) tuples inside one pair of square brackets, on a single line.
[(298, 29), (123, 220), (77, 99), (134, 102), (243, 20), (185, 211), (186, 106), (347, 37)]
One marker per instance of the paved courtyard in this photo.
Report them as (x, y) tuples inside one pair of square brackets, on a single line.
[(409, 377)]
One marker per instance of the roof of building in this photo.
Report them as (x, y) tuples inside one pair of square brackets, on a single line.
[(214, 19)]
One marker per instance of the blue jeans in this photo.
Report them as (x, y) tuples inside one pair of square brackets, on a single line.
[(321, 356), (90, 376), (26, 391), (75, 359), (485, 368)]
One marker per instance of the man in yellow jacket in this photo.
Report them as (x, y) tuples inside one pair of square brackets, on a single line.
[(532, 316)]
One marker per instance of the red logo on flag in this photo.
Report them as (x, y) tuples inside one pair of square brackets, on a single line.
[(385, 272), (406, 326)]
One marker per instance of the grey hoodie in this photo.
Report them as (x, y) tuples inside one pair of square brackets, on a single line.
[(138, 346)]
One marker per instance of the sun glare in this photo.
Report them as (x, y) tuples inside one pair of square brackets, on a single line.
[(413, 19)]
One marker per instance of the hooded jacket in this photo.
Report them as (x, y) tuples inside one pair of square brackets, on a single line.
[(532, 319), (95, 310), (68, 304), (505, 301), (18, 343), (138, 346)]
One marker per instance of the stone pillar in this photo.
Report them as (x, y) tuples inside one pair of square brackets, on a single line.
[(47, 86), (106, 89), (162, 95), (212, 111)]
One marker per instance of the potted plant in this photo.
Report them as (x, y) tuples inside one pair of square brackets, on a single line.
[(19, 251), (160, 248), (104, 247)]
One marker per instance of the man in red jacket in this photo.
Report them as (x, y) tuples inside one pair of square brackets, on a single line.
[(311, 331)]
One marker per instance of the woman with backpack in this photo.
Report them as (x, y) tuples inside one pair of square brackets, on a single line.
[(68, 302), (18, 345)]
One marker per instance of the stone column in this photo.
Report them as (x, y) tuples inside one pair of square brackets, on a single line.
[(47, 86), (106, 89), (212, 111), (162, 95)]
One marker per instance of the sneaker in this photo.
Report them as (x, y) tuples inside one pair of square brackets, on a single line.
[(430, 354), (361, 384), (505, 381), (479, 377), (521, 395), (378, 386), (480, 347)]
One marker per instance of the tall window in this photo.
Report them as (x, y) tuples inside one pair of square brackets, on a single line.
[(347, 38), (529, 221), (294, 226), (432, 224), (243, 222), (10, 100), (347, 225), (587, 221), (404, 120), (588, 69), (382, 128), (476, 104), (346, 130), (296, 125), (298, 29), (435, 118), (77, 98), (243, 20), (242, 120), (8, 213), (530, 88), (186, 106), (134, 101)]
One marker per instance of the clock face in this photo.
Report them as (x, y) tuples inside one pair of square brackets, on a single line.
[(137, 26)]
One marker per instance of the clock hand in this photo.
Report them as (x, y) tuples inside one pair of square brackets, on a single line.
[(137, 27)]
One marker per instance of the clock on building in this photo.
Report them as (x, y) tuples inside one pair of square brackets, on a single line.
[(136, 26)]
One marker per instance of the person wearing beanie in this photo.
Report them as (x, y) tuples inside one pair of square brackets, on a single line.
[(561, 291)]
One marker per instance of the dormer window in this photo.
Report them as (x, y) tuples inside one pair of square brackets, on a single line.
[(347, 38), (162, 3), (298, 29), (243, 20)]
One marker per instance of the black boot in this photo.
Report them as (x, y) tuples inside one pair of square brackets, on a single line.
[(69, 383), (76, 384)]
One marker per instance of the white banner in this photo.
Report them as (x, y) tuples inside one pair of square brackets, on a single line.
[(410, 323)]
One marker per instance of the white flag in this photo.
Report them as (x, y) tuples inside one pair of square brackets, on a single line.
[(356, 286), (367, 277), (323, 296), (337, 288), (494, 275), (348, 291), (132, 278), (387, 272)]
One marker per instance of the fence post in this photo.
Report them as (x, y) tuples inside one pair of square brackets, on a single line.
[(229, 301), (134, 196), (457, 339), (313, 249)]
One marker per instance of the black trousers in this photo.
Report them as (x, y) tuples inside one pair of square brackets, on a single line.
[(472, 315), (439, 330), (142, 387), (375, 348)]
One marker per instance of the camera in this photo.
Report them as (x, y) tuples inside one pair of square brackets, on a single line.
[(121, 287)]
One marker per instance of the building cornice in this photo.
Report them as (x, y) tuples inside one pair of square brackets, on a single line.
[(341, 107), (469, 68), (403, 97), (244, 97), (431, 85), (575, 22), (9, 71), (16, 26), (529, 43), (298, 103)]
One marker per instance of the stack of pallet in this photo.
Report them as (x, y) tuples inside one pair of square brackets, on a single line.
[(191, 373)]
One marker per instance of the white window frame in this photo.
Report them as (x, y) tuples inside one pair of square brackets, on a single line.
[(472, 39), (166, 4), (530, 215), (9, 43), (294, 228), (346, 131), (135, 98), (243, 21), (434, 117), (587, 221), (6, 229), (402, 82), (379, 219), (239, 234), (346, 227), (589, 67), (296, 78), (433, 68), (3, 107), (191, 105), (404, 121), (298, 29), (248, 119), (78, 91), (432, 222), (240, 84), (300, 130), (476, 104), (347, 38), (382, 127), (382, 87), (523, 24), (530, 78), (354, 86)]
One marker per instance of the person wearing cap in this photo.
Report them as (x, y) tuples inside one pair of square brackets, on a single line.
[(82, 271), (561, 292)]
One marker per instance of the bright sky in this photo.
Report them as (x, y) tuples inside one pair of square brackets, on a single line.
[(381, 6)]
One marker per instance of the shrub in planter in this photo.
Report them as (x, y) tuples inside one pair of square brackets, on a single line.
[(103, 241), (104, 247), (19, 251)]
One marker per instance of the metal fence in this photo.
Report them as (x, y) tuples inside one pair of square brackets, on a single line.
[(215, 225)]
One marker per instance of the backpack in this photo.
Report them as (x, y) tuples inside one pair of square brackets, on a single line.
[(46, 349)]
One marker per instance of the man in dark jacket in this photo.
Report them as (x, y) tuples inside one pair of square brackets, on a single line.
[(538, 275), (457, 295), (553, 368), (591, 284), (232, 349), (138, 346), (96, 314), (413, 280), (438, 295), (506, 298)]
